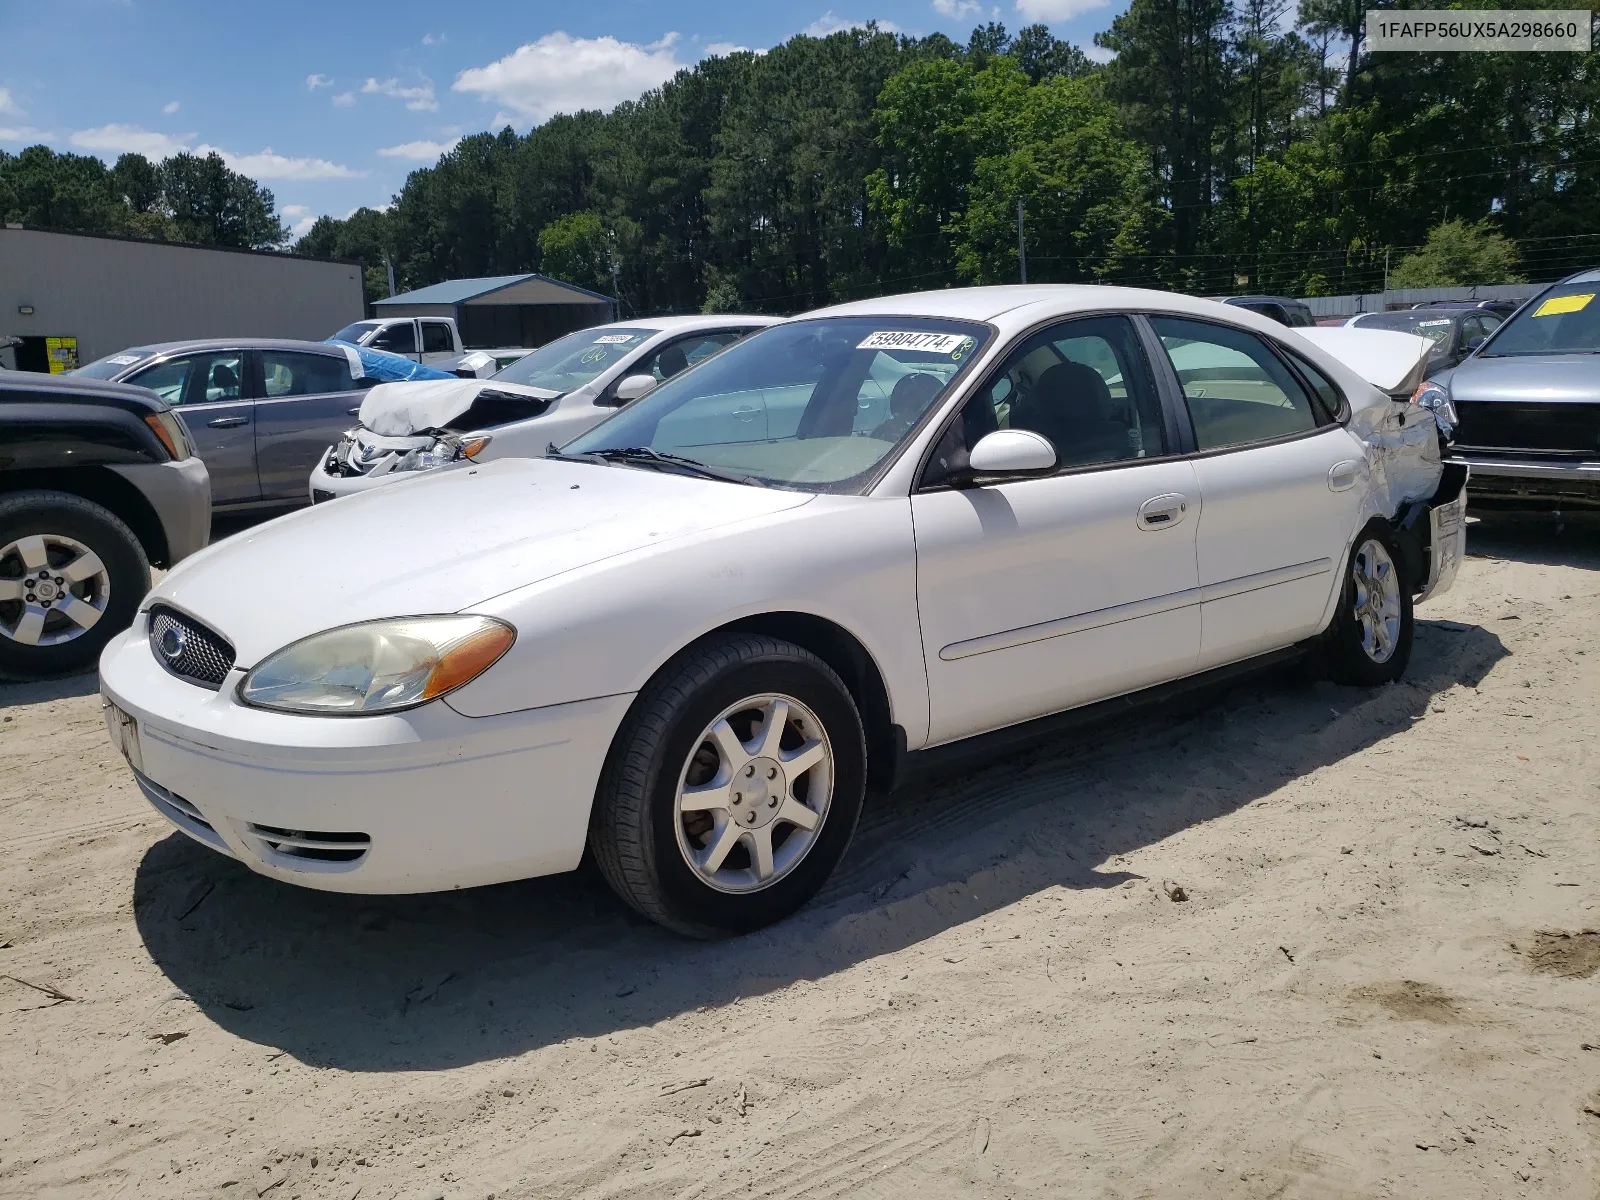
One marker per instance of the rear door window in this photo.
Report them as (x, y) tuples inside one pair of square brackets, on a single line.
[(297, 373), (436, 338), (1237, 390)]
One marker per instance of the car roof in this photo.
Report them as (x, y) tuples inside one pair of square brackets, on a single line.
[(1236, 300), (70, 386), (1018, 305), (1591, 275), (691, 322), (241, 343)]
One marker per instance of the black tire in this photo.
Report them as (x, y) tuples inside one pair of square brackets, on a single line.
[(1349, 659), (127, 570), (633, 829)]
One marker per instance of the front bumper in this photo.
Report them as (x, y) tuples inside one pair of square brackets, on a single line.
[(327, 486), (420, 801), (180, 493), (1523, 478)]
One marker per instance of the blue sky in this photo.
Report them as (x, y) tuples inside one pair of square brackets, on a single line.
[(330, 104)]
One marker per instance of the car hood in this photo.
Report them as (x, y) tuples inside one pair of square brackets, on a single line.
[(442, 542), (1543, 378), (402, 409)]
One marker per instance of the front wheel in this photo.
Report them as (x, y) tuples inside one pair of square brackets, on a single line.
[(1370, 642), (71, 578), (732, 789)]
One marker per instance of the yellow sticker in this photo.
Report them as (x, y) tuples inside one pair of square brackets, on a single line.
[(1557, 305)]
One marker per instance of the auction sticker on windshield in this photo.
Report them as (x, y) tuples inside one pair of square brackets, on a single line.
[(614, 339), (928, 343), (1560, 305)]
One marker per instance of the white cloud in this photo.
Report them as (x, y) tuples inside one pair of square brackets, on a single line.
[(422, 151), (170, 107), (958, 9), (313, 82), (1057, 10), (7, 104), (1097, 54), (558, 73), (266, 164), (299, 217), (418, 99), (433, 39), (344, 100), (23, 133), (723, 49), (132, 139), (829, 23)]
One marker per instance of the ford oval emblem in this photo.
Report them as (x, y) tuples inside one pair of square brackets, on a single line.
[(172, 642)]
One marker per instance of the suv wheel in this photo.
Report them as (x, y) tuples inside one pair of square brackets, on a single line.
[(733, 787), (71, 578)]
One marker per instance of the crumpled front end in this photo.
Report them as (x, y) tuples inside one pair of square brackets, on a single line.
[(362, 459)]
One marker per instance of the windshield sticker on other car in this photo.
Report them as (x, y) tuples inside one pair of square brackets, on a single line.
[(123, 360), (927, 343), (1560, 305), (615, 339)]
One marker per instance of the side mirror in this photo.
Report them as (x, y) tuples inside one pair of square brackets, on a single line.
[(1014, 453), (631, 388), (1475, 343)]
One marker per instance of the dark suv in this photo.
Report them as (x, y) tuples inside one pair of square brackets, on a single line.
[(98, 482)]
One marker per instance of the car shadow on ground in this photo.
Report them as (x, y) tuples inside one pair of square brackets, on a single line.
[(426, 982), (1569, 539)]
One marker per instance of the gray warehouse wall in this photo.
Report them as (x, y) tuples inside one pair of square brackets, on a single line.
[(111, 294)]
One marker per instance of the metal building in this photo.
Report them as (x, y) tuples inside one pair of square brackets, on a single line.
[(74, 297), (505, 310)]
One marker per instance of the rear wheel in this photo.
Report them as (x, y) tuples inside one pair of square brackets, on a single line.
[(71, 578), (733, 788), (1370, 643)]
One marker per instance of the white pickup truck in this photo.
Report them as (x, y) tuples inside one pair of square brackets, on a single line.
[(430, 340)]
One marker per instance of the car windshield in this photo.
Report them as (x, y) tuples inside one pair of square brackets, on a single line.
[(1565, 320), (355, 332), (572, 361), (111, 365), (817, 404), (1429, 325)]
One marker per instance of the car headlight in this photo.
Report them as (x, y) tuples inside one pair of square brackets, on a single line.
[(1435, 397), (377, 666), (443, 452)]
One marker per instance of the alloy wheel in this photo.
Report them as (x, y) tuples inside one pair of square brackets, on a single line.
[(752, 798), (1377, 600), (53, 589)]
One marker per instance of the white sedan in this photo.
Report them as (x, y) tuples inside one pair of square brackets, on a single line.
[(549, 395), (692, 638)]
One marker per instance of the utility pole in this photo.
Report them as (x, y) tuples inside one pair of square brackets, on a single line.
[(1022, 244), (388, 265), (1386, 269)]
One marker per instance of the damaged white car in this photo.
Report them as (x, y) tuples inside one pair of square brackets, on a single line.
[(544, 396), (690, 641)]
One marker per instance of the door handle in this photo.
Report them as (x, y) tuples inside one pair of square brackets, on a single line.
[(1163, 512), (745, 414), (352, 412), (1342, 476), (226, 422)]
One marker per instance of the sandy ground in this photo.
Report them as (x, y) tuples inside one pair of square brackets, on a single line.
[(1379, 984)]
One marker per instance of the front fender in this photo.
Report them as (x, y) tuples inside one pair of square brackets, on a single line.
[(605, 629)]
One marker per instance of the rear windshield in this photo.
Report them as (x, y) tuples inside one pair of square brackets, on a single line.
[(112, 365), (1565, 320), (355, 332)]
